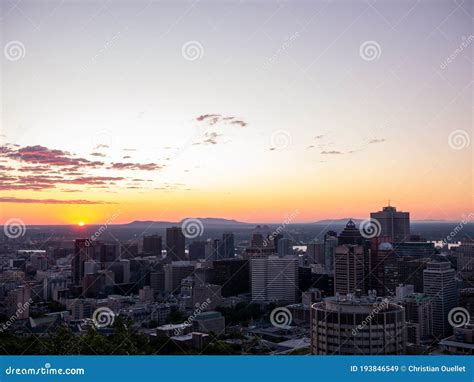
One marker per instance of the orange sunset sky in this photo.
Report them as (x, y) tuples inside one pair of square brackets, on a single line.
[(276, 111)]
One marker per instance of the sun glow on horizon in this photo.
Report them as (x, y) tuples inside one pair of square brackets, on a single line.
[(81, 224)]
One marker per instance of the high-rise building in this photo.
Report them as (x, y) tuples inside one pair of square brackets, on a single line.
[(175, 273), (197, 250), (284, 247), (393, 223), (465, 256), (227, 246), (315, 253), (274, 278), (440, 285), (330, 244), (350, 235), (348, 268), (175, 244), (419, 312), (152, 245), (350, 325), (84, 250), (233, 275)]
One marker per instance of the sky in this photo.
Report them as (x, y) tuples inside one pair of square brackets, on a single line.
[(250, 110)]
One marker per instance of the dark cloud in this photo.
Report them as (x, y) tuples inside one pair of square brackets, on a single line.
[(332, 152), (99, 155), (213, 119), (42, 155), (135, 166), (49, 201)]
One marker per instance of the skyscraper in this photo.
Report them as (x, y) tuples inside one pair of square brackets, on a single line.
[(393, 223), (227, 246), (152, 245), (84, 250), (439, 284), (348, 268), (274, 278), (175, 244)]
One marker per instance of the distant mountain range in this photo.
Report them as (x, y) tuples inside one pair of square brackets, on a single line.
[(207, 222)]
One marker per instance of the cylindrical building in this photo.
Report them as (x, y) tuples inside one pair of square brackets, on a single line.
[(357, 325)]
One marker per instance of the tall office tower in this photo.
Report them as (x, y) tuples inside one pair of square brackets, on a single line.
[(108, 253), (439, 283), (350, 235), (84, 250), (152, 245), (233, 275), (284, 247), (175, 273), (256, 240), (365, 325), (465, 256), (18, 302), (212, 249), (274, 278), (393, 223), (348, 268), (330, 244), (228, 246), (197, 250), (381, 255), (419, 313), (157, 280), (175, 243), (315, 254)]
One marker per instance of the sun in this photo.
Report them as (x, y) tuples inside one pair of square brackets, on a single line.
[(81, 224)]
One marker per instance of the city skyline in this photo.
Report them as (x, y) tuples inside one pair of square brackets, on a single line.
[(238, 111)]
